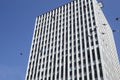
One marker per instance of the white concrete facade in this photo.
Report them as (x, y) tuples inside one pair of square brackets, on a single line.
[(73, 42), (109, 54)]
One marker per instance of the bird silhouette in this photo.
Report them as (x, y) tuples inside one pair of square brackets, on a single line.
[(116, 30), (104, 24), (116, 18), (102, 33), (21, 54)]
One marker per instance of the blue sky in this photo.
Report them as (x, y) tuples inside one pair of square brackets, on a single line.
[(17, 18)]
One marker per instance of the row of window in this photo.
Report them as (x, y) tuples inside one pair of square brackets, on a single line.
[(68, 7), (95, 71), (60, 19), (62, 61)]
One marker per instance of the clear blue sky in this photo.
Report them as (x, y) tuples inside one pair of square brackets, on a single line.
[(17, 18)]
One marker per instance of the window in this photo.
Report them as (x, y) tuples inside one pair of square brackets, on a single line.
[(61, 71), (90, 75), (88, 54), (57, 76), (93, 54), (70, 73), (100, 68), (98, 53), (85, 77)]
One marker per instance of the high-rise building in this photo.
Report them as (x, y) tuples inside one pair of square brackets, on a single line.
[(73, 42)]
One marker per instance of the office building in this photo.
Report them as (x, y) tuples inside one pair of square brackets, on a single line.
[(73, 42)]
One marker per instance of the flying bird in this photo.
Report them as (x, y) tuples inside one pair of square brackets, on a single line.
[(21, 54), (104, 24), (102, 33), (116, 18), (116, 30)]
